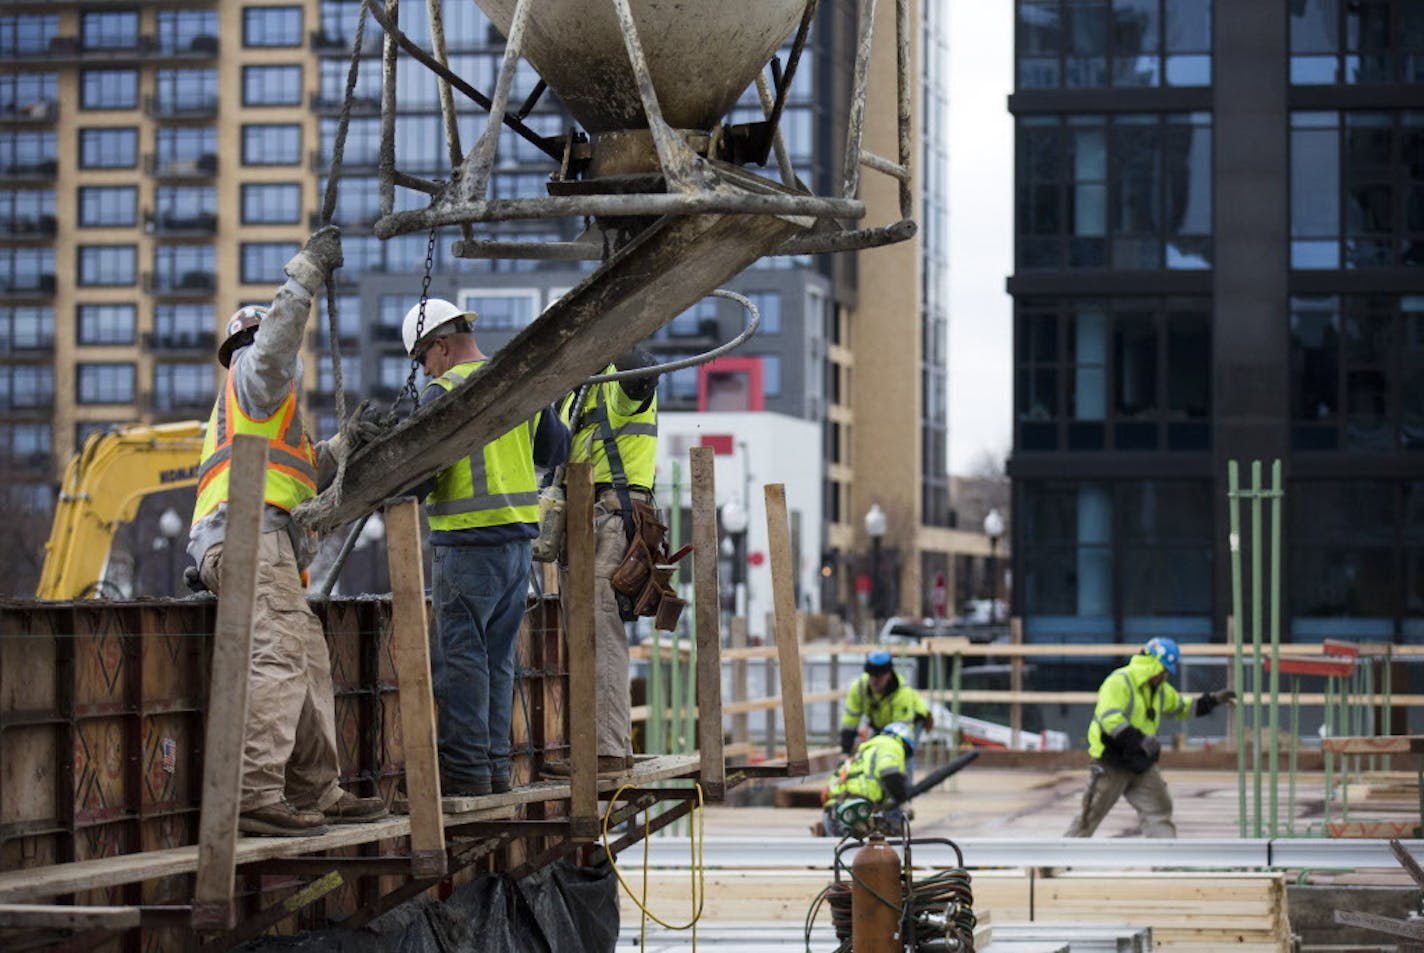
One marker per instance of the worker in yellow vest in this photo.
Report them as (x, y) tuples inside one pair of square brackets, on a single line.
[(289, 761), (878, 774), (483, 512), (881, 697), (615, 429)]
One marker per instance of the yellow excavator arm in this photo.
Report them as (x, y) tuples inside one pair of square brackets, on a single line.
[(103, 486)]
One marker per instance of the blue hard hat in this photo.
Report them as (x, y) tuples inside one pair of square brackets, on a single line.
[(878, 662), (1164, 650), (902, 731)]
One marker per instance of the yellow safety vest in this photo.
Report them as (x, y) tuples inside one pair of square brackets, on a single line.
[(291, 462), (903, 704), (635, 438), (1125, 699), (876, 757), (493, 486)]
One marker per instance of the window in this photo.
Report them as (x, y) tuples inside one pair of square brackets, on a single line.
[(1381, 41), (1357, 373), (262, 261), (187, 31), (272, 26), (184, 325), (27, 151), (109, 31), (106, 323), (332, 79), (108, 89), (27, 440), (1130, 191), (27, 269), (348, 320), (393, 371), (186, 150), (363, 142), (24, 35), (768, 304), (770, 375), (185, 91), (108, 205), (30, 95), (105, 383), (272, 144), (107, 265), (271, 204), (1124, 374), (1357, 190), (698, 321), (1094, 43), (26, 329), (271, 85), (359, 200), (185, 206), (115, 148), (26, 212), (501, 311), (350, 375), (184, 267), (182, 386), (391, 315), (26, 386)]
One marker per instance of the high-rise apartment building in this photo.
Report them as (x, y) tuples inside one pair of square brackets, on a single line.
[(159, 161), (1219, 218)]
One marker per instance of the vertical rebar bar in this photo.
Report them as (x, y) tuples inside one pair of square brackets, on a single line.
[(855, 122), (1275, 610), (386, 162), (1235, 624), (1256, 647)]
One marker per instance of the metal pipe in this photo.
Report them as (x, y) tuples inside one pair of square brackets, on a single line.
[(855, 121), (475, 169), (778, 144), (1276, 493), (1233, 496), (903, 112), (442, 84), (329, 582), (1294, 750), (1327, 732), (653, 728), (1256, 647), (386, 162)]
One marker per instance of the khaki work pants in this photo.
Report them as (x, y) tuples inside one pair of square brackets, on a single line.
[(1146, 792), (289, 743)]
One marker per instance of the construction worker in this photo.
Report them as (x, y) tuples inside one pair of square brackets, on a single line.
[(616, 430), (483, 511), (883, 698), (878, 774), (1122, 740), (289, 762)]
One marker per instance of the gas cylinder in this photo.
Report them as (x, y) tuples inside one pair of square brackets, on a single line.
[(875, 898)]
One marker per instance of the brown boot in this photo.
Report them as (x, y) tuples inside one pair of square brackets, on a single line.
[(608, 766), (281, 820), (355, 810)]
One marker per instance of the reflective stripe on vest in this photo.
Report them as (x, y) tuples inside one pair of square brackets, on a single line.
[(291, 461), (635, 437), (463, 497)]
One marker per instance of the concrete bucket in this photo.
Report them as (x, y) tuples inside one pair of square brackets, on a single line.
[(701, 55)]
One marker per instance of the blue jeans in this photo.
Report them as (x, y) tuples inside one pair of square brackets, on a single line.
[(480, 593)]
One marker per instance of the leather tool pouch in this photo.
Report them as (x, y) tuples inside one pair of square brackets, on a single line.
[(645, 574)]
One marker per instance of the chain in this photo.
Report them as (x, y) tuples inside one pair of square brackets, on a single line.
[(409, 388)]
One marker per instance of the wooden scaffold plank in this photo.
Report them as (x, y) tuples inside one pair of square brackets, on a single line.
[(583, 694), (788, 649), (49, 917), (708, 623), (213, 906)]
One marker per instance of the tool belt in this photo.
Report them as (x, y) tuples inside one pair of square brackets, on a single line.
[(644, 576)]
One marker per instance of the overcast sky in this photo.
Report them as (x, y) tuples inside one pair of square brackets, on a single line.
[(981, 163)]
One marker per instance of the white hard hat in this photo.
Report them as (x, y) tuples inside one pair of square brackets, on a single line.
[(438, 312)]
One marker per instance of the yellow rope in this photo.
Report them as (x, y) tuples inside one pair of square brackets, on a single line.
[(699, 876)]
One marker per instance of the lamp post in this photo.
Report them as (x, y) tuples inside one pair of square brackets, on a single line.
[(993, 528), (170, 526), (876, 523), (735, 520)]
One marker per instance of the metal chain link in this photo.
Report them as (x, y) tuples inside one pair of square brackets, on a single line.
[(409, 388)]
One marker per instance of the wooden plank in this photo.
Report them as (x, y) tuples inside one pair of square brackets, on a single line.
[(410, 639), (1375, 744), (708, 621), (1016, 666), (740, 721), (1372, 829), (213, 906), (47, 917), (1407, 861), (783, 594), (579, 624)]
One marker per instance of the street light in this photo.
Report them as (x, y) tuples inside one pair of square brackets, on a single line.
[(170, 526), (876, 523), (993, 528), (735, 520)]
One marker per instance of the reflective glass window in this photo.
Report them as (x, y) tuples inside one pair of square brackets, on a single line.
[(261, 262), (109, 205), (271, 144), (271, 203), (108, 148), (273, 26), (107, 323), (105, 383), (107, 265), (271, 85), (108, 89)]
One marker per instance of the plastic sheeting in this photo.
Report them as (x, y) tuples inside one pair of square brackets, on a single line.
[(560, 909)]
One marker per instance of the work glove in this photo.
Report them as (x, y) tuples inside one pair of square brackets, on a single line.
[(1151, 749), (365, 424), (319, 257), (1207, 702), (847, 741)]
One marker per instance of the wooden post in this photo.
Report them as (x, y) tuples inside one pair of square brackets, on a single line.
[(707, 603), (769, 691), (834, 721), (1016, 665), (410, 637), (783, 593), (213, 906), (739, 680), (582, 703)]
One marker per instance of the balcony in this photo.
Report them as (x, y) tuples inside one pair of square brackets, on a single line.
[(202, 47), (386, 332), (180, 225), (39, 463), (162, 404), (43, 170), (41, 112), (28, 227), (187, 284), (27, 286), (360, 105), (169, 342), (188, 170), (320, 340), (328, 44), (189, 108)]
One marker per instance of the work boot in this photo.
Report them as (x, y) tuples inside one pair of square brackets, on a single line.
[(450, 787), (356, 810), (281, 820), (608, 766), (499, 785)]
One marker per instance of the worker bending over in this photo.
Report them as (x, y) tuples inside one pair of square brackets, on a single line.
[(878, 774), (880, 696), (483, 511), (1122, 740), (289, 758)]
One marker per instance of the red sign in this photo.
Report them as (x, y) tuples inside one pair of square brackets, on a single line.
[(721, 443), (756, 558), (862, 584), (940, 596)]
